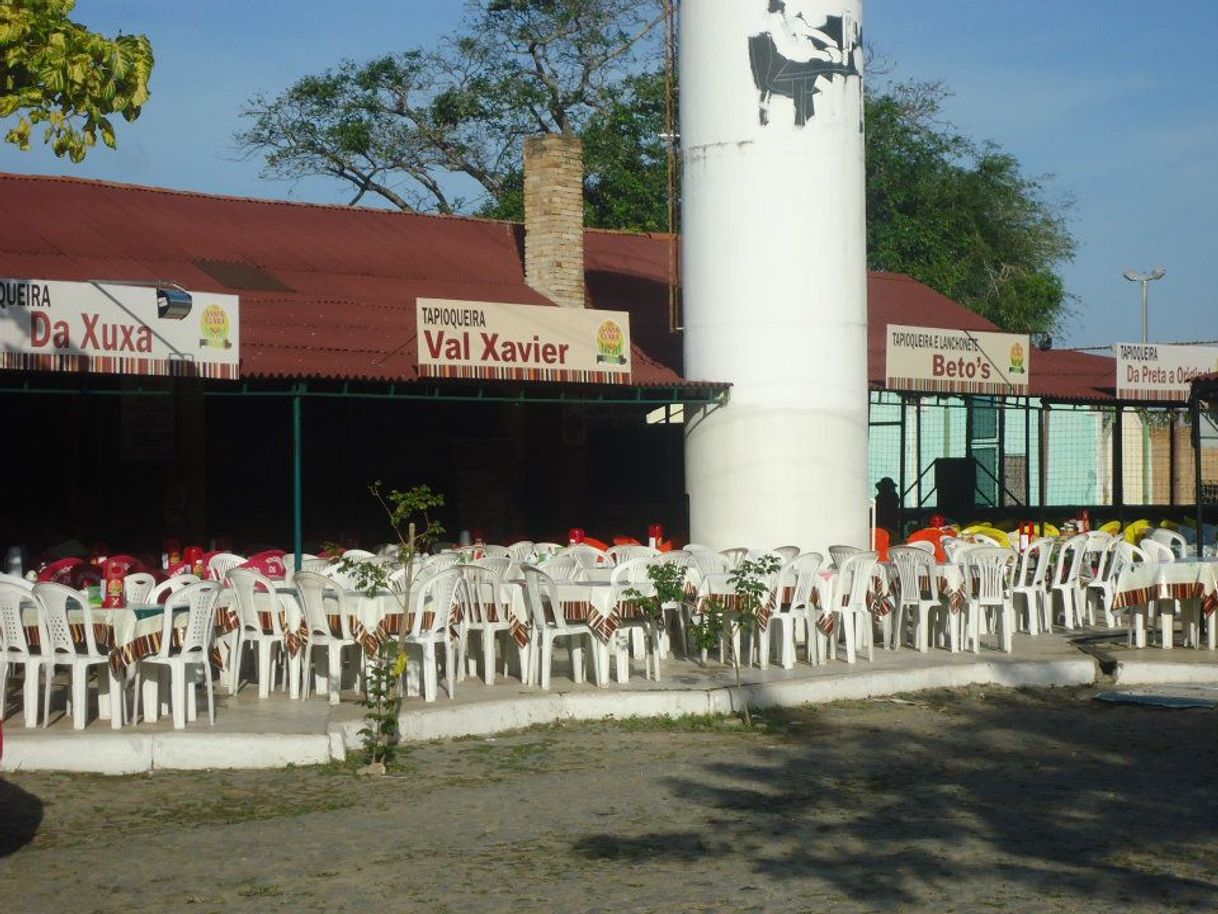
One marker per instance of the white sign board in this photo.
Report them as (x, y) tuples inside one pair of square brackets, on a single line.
[(47, 325), (1151, 371), (956, 361), (497, 341)]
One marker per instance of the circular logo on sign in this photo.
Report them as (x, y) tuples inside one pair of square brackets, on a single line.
[(1017, 359), (610, 343), (214, 327)]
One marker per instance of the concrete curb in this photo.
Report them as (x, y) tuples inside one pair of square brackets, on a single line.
[(488, 718), (1151, 673), (107, 752)]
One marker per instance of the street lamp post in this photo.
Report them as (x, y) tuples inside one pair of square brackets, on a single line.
[(1145, 279)]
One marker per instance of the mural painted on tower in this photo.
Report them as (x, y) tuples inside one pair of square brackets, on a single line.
[(795, 50)]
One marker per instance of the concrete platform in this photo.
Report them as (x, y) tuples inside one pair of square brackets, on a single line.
[(253, 733)]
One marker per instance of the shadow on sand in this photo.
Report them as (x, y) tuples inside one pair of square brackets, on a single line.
[(1040, 792), (20, 816)]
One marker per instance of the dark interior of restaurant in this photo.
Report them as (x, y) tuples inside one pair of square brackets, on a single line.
[(124, 472)]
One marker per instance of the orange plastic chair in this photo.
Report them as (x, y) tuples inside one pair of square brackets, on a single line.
[(932, 535), (882, 541)]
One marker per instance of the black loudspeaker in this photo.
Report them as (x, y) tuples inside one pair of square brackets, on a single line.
[(956, 485)]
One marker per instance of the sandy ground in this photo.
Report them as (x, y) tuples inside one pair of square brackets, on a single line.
[(971, 800)]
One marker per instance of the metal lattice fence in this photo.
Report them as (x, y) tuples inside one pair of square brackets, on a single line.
[(988, 457)]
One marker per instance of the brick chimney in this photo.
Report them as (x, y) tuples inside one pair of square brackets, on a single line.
[(554, 218)]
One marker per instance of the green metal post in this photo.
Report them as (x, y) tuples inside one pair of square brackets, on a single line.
[(297, 486)]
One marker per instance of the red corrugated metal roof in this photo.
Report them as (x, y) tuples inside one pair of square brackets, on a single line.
[(354, 275)]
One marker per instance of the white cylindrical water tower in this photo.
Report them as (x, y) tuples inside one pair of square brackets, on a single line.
[(774, 270)]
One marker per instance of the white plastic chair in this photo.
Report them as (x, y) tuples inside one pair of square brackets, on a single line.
[(137, 586), (1127, 557), (1065, 582), (520, 550), (925, 545), (839, 554), (437, 596), (220, 564), (619, 554), (854, 576), (1031, 583), (15, 651), (541, 591), (918, 578), (58, 649), (734, 556), (709, 563), (200, 602), (269, 643), (586, 556), (647, 639), (1100, 590), (562, 568), (792, 603), (989, 571), (489, 616), (315, 589), (546, 550), (1174, 541), (16, 579), (169, 586)]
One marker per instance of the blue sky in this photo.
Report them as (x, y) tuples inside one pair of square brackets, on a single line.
[(1117, 99)]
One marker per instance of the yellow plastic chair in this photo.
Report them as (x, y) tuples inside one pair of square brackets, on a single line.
[(995, 534), (1135, 531), (1113, 527)]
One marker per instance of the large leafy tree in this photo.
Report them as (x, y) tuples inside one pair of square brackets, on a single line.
[(961, 216), (59, 74), (443, 129)]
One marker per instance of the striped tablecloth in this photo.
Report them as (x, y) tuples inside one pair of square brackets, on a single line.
[(129, 634), (1193, 579), (880, 596)]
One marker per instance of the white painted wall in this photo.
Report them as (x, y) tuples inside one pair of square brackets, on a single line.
[(774, 268)]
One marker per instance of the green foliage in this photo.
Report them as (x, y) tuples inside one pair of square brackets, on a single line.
[(383, 700), (751, 582), (668, 585), (625, 171), (59, 74), (412, 126), (409, 515), (960, 216), (442, 129)]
